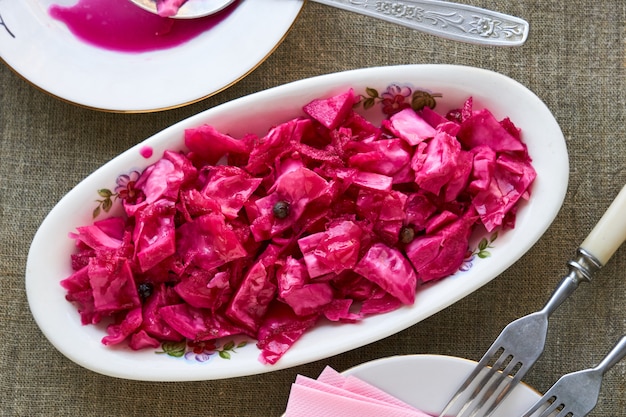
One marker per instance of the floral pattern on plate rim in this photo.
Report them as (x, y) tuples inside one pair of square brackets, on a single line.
[(394, 98), (201, 351)]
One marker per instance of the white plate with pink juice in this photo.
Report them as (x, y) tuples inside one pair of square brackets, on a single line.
[(111, 55)]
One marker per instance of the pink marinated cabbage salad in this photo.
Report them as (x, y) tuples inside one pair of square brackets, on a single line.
[(168, 8), (325, 217)]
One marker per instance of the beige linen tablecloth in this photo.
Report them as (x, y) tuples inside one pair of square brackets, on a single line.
[(574, 60)]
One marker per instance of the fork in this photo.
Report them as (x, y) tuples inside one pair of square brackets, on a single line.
[(522, 342), (576, 394)]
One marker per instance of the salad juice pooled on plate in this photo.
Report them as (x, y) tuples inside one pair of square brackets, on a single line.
[(119, 25), (325, 217)]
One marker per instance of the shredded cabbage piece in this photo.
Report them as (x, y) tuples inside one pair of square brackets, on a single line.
[(325, 217)]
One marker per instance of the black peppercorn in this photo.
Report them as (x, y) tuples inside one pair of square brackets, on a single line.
[(145, 290), (281, 210), (407, 234)]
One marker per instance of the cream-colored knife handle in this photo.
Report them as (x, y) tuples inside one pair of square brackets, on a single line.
[(610, 232)]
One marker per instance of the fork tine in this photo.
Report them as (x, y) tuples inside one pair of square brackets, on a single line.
[(548, 401), (551, 408), (497, 389), (576, 394), (480, 366), (470, 402), (509, 342), (512, 383)]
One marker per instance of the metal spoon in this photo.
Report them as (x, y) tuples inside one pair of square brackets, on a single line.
[(437, 17)]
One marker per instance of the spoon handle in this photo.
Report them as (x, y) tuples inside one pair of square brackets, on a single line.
[(442, 18)]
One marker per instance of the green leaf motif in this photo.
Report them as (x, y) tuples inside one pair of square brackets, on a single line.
[(226, 351), (484, 244), (180, 349), (368, 103), (175, 349), (107, 204), (104, 192), (372, 92), (421, 99)]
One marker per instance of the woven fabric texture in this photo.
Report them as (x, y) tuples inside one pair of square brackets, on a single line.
[(574, 60)]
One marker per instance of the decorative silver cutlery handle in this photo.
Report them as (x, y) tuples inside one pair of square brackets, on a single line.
[(442, 18)]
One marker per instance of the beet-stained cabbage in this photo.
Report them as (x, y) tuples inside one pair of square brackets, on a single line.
[(325, 217), (168, 8)]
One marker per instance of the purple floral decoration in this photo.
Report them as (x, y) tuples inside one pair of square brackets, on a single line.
[(481, 252), (124, 190), (200, 351), (396, 98)]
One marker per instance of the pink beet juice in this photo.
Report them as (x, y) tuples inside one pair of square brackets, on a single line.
[(119, 25)]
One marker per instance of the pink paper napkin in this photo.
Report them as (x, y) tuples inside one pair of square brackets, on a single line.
[(333, 394)]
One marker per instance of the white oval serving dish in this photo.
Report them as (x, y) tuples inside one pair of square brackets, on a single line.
[(49, 256)]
